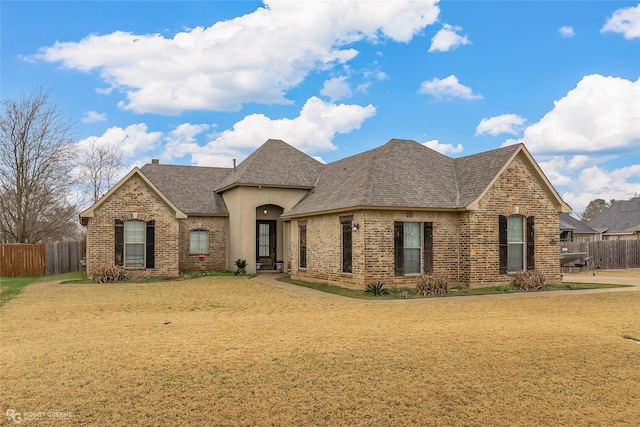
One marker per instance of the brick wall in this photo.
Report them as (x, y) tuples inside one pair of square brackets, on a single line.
[(216, 258), (134, 200), (465, 243), (515, 192), (373, 253)]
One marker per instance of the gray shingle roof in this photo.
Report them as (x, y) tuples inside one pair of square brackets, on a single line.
[(474, 173), (403, 174), (622, 217), (190, 188), (277, 164), (567, 222)]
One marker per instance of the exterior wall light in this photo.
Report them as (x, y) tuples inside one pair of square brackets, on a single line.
[(356, 227)]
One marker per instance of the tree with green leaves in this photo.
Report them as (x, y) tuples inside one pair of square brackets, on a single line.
[(594, 208)]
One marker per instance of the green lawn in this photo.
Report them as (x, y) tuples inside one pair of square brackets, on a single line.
[(12, 286)]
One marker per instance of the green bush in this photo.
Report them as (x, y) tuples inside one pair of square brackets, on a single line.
[(376, 289), (241, 264), (530, 281), (432, 285)]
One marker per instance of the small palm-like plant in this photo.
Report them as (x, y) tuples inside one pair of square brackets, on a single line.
[(376, 289)]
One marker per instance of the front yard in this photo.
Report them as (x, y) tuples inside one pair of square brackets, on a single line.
[(230, 351)]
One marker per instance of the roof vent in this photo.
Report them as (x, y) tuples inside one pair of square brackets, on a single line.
[(155, 161), (234, 164)]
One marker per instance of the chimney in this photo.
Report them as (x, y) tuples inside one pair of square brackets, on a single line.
[(155, 161), (234, 164)]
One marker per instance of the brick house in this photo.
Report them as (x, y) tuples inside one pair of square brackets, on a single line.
[(388, 214)]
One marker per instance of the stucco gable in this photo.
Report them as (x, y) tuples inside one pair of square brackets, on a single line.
[(135, 172)]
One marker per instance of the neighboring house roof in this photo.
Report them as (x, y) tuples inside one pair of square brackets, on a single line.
[(85, 215), (406, 174), (569, 223), (274, 164), (623, 217), (190, 188)]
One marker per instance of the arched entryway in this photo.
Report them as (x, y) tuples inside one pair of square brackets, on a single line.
[(269, 237)]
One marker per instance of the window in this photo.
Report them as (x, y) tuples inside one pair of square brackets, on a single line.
[(302, 244), (135, 244), (515, 243), (347, 245), (413, 248), (199, 242), (263, 240), (514, 237)]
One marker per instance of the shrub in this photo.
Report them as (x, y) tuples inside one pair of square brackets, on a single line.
[(108, 274), (432, 285), (376, 289), (241, 264), (530, 280)]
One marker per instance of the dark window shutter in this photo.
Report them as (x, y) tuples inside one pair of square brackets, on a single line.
[(428, 247), (119, 242), (502, 243), (150, 254), (347, 251), (398, 248), (531, 244), (302, 261)]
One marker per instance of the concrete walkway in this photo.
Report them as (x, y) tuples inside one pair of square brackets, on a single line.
[(632, 281)]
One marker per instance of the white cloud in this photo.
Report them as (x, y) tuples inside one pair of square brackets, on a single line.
[(336, 88), (447, 39), (183, 141), (131, 141), (625, 21), (505, 123), (582, 178), (590, 126), (566, 31), (93, 117), (600, 115), (447, 88), (312, 131), (443, 148), (201, 68)]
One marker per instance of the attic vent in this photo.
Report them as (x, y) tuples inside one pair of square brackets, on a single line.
[(155, 161)]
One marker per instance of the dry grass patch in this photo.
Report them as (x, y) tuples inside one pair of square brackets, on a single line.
[(239, 353)]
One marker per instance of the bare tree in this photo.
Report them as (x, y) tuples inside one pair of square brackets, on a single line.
[(35, 161), (99, 166)]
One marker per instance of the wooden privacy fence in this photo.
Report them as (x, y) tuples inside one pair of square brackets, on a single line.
[(21, 260), (608, 254)]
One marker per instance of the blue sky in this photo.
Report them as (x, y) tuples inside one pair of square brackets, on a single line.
[(203, 82)]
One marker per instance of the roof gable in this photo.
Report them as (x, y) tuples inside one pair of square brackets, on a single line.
[(479, 169), (274, 164), (85, 215)]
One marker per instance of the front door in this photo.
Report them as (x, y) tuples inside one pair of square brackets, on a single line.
[(266, 244)]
